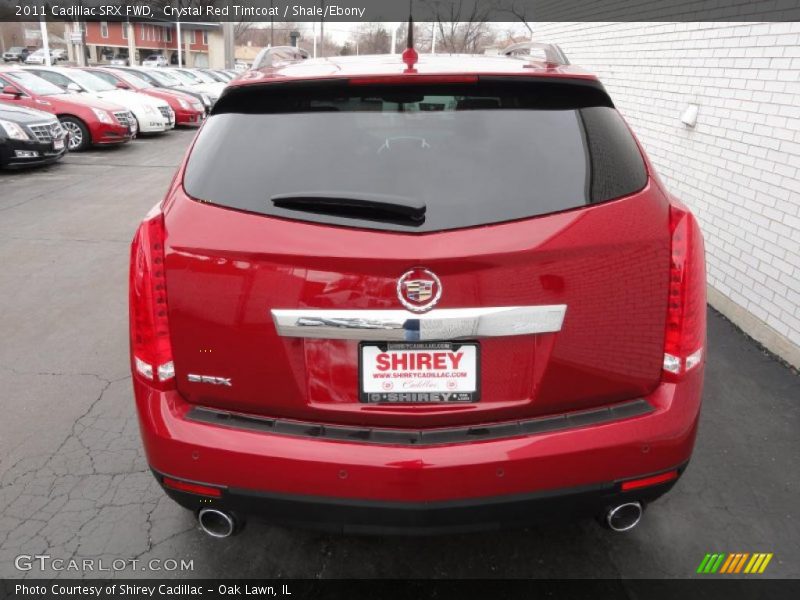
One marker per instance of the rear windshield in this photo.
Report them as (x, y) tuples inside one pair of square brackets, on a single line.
[(458, 155)]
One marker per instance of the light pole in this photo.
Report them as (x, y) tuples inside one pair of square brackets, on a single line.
[(271, 26), (322, 27), (230, 44), (180, 43), (394, 37), (45, 42), (314, 31)]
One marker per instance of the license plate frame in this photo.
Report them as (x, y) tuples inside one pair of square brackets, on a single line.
[(427, 396)]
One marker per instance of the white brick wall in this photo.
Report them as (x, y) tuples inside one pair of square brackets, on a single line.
[(739, 168)]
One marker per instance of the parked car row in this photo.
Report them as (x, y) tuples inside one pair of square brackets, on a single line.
[(178, 80), (21, 54), (46, 111)]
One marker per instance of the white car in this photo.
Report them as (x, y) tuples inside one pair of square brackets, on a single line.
[(155, 60), (152, 115), (37, 58)]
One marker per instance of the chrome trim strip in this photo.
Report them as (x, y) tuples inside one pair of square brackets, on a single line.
[(405, 326)]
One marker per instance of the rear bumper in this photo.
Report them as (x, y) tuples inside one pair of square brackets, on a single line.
[(344, 515), (360, 486)]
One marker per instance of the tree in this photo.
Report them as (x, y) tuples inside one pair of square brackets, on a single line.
[(520, 12), (462, 25), (422, 37), (373, 38), (240, 30)]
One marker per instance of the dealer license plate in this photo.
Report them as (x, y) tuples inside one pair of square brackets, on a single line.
[(58, 144), (404, 373)]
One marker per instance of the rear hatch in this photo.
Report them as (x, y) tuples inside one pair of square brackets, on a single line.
[(527, 199)]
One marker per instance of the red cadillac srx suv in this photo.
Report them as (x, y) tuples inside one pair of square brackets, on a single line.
[(417, 295)]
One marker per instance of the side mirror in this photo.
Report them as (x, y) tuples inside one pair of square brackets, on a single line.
[(73, 87), (11, 90), (123, 86)]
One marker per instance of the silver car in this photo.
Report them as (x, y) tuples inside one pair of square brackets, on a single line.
[(155, 60)]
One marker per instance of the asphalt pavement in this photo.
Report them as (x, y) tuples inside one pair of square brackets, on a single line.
[(74, 483)]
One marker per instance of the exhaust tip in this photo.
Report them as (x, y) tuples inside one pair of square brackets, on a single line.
[(217, 523), (624, 517)]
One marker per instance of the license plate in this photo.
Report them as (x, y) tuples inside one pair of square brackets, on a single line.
[(436, 372), (58, 144)]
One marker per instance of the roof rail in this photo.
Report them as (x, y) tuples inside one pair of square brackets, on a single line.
[(271, 57), (553, 55)]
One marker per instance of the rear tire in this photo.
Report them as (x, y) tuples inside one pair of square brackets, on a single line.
[(79, 137)]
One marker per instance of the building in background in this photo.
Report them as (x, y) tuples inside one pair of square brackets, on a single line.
[(246, 54), (29, 35), (203, 44), (717, 107)]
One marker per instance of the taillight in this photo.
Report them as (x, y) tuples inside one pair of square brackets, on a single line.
[(686, 305), (150, 344)]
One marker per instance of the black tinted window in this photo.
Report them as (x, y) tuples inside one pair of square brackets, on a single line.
[(471, 154)]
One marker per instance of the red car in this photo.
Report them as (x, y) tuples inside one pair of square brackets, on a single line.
[(88, 121), (417, 296), (188, 110)]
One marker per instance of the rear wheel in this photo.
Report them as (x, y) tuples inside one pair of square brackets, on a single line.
[(79, 137)]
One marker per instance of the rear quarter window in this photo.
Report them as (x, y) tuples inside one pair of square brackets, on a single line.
[(471, 154)]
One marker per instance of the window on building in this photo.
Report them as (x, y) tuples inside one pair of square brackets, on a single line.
[(158, 33), (103, 29), (124, 30), (194, 36), (205, 38), (142, 31), (169, 34)]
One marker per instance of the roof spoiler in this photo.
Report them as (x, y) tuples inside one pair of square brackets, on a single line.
[(553, 55), (278, 55)]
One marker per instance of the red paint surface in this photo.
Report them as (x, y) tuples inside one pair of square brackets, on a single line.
[(609, 263)]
